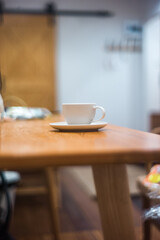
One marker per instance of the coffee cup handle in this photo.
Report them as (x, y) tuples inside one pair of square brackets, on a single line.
[(103, 113)]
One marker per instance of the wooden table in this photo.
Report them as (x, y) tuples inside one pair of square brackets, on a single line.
[(34, 144)]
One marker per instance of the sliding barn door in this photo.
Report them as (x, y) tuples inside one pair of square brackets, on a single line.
[(27, 60)]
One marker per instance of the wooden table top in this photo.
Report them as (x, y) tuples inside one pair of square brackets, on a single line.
[(28, 144)]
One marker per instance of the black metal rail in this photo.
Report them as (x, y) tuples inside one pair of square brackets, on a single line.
[(51, 10)]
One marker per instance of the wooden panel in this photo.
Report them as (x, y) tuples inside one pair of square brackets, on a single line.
[(27, 60)]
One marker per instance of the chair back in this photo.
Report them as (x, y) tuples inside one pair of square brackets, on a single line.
[(149, 164)]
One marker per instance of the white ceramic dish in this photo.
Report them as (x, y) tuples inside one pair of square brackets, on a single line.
[(63, 126)]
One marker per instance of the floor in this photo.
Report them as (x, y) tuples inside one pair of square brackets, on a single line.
[(79, 215)]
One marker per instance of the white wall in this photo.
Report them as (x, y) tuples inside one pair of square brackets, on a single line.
[(85, 71), (151, 62), (151, 69)]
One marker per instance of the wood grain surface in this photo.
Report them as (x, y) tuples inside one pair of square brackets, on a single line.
[(29, 144), (27, 60), (114, 201)]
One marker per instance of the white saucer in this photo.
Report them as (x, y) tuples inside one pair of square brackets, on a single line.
[(63, 126)]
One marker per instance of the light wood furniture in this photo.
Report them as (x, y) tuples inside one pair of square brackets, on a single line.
[(154, 128), (154, 120), (34, 144)]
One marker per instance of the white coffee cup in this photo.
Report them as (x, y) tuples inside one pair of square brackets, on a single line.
[(81, 113)]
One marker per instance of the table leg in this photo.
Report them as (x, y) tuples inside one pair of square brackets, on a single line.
[(53, 191), (114, 201)]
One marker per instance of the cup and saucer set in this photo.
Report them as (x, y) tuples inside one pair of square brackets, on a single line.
[(80, 117)]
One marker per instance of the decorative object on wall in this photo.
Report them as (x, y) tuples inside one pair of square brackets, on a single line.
[(128, 45), (132, 38), (119, 51), (132, 29)]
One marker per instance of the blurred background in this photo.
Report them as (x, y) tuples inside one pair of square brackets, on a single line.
[(112, 60)]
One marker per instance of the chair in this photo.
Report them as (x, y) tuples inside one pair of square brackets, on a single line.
[(49, 186), (8, 182), (146, 201)]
